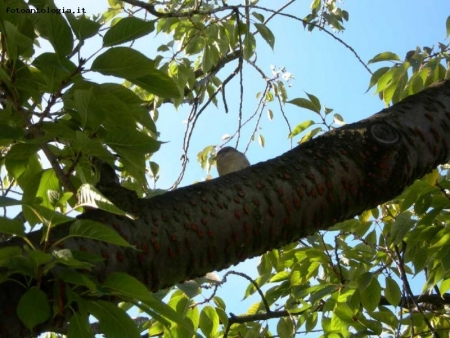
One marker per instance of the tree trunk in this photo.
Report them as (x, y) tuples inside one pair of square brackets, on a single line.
[(211, 225)]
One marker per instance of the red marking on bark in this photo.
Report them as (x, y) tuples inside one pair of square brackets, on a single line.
[(237, 199), (311, 176), (83, 248), (120, 256), (187, 226), (194, 203), (429, 116), (320, 189), (125, 237), (271, 212), (156, 246), (313, 193), (247, 209), (186, 212), (241, 193), (116, 226), (194, 227), (256, 231), (154, 232), (382, 165), (352, 189), (220, 205), (330, 198), (141, 258), (420, 134), (187, 243), (299, 191), (287, 176), (344, 152), (297, 202), (286, 221), (200, 233), (173, 237), (164, 218), (204, 221), (362, 155), (212, 212), (256, 201), (329, 185), (435, 151), (238, 186), (204, 199), (237, 214), (145, 247), (330, 162), (105, 255), (375, 148), (280, 191), (435, 134), (210, 234), (204, 210), (319, 155), (259, 185), (171, 253), (247, 228)]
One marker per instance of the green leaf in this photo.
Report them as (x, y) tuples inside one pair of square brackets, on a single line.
[(249, 46), (82, 27), (370, 291), (79, 326), (7, 202), (209, 321), (448, 26), (98, 231), (402, 225), (385, 56), (127, 29), (376, 76), (266, 33), (18, 158), (54, 71), (114, 321), (131, 145), (33, 308), (11, 227), (315, 5), (158, 83), (134, 66), (392, 292), (47, 216), (304, 103), (17, 43), (258, 16), (55, 29), (315, 101), (300, 127), (89, 196), (123, 62)]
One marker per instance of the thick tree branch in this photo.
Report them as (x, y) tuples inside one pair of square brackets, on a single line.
[(211, 225)]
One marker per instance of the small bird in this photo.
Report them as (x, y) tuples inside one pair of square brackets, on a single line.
[(230, 160)]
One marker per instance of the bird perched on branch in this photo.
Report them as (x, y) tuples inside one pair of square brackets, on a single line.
[(230, 160)]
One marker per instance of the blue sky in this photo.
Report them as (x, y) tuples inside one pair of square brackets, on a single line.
[(321, 66)]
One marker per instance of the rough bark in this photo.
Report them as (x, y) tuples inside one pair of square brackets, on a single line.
[(211, 225)]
